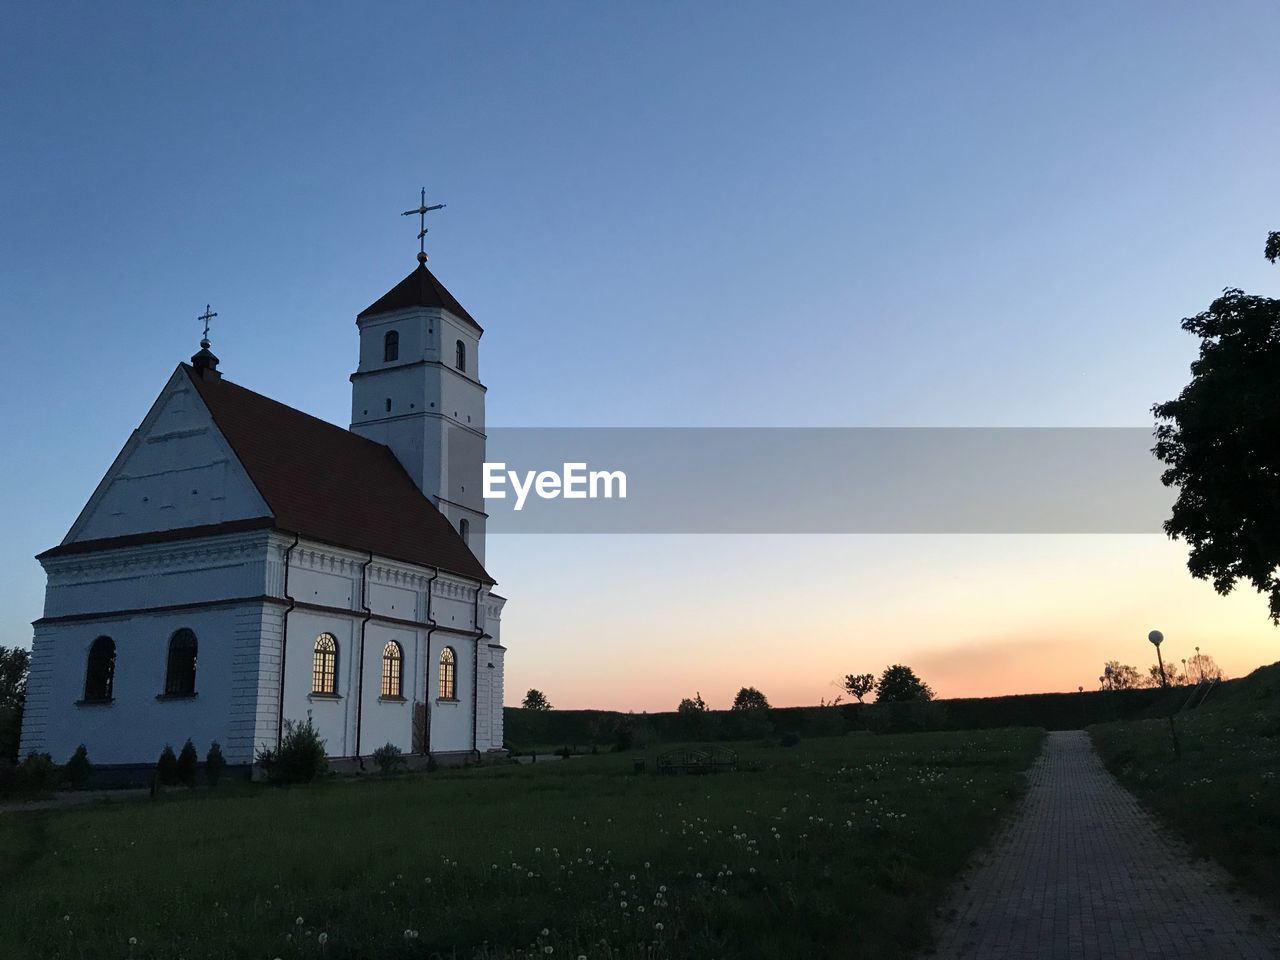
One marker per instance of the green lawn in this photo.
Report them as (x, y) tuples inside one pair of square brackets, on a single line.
[(839, 846), (1223, 795)]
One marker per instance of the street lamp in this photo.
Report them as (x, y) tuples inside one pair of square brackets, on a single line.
[(1157, 638)]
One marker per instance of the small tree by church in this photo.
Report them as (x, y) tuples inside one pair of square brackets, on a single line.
[(301, 757), (188, 763), (214, 764), (536, 700), (167, 766)]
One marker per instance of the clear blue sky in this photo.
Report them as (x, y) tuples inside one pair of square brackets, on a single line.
[(700, 213)]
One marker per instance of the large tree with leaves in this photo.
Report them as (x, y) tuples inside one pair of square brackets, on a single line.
[(535, 699), (749, 698), (14, 664), (899, 684), (1220, 440)]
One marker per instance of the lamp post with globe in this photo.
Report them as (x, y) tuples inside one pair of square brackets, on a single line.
[(1157, 638)]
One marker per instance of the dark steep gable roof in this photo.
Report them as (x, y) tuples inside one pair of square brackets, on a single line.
[(418, 289), (328, 484)]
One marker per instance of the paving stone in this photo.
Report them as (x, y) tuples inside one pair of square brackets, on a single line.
[(1083, 872)]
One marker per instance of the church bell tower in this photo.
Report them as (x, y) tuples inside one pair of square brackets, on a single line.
[(417, 390)]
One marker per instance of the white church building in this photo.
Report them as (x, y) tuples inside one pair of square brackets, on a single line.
[(243, 564)]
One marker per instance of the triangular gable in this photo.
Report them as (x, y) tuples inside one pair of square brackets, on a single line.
[(175, 471)]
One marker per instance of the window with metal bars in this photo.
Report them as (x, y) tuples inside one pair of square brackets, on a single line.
[(392, 657), (99, 677), (324, 665), (180, 671), (448, 686)]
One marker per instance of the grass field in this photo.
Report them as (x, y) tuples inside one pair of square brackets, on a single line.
[(839, 846), (1223, 795)]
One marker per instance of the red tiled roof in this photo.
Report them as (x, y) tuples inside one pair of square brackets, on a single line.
[(419, 289), (327, 483), (323, 483)]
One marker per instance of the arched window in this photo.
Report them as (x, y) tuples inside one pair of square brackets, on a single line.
[(391, 346), (460, 355), (391, 658), (464, 529), (180, 674), (101, 672), (448, 687), (324, 665)]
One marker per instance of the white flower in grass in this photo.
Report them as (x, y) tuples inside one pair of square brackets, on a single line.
[(133, 941), (67, 918), (548, 950), (546, 932), (623, 904), (658, 927), (323, 939), (298, 922)]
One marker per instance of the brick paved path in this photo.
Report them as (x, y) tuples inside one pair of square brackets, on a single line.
[(1083, 872)]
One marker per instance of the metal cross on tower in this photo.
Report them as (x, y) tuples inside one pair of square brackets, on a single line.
[(422, 212), (206, 317)]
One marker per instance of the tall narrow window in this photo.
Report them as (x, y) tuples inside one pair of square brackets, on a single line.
[(100, 675), (391, 346), (448, 688), (391, 659), (180, 673), (464, 528), (324, 665), (460, 355)]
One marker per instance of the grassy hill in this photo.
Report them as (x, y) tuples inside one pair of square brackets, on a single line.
[(1223, 793)]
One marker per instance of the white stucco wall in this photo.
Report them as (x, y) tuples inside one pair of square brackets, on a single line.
[(398, 605), (138, 722)]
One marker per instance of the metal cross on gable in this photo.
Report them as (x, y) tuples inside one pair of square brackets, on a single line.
[(422, 212), (206, 317)]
